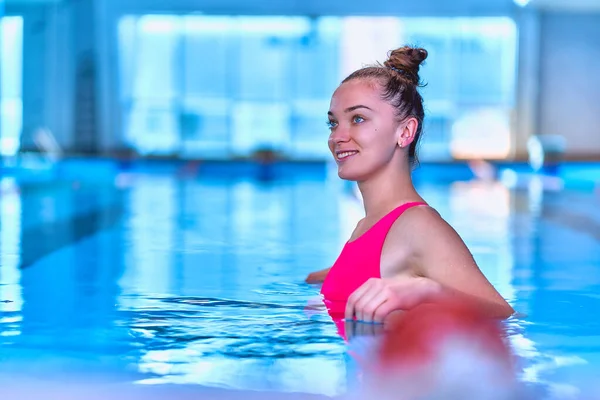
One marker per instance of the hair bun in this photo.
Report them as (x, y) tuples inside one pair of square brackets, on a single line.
[(407, 60)]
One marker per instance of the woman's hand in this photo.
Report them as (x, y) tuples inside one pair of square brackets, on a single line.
[(377, 298)]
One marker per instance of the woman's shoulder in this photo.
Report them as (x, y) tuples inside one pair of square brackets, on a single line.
[(419, 223), (429, 240), (420, 214)]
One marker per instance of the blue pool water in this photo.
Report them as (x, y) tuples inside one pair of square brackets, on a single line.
[(162, 273)]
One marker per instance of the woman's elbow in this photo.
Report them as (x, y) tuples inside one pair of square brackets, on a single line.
[(503, 310)]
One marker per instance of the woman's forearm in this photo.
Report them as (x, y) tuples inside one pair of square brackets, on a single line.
[(318, 276)]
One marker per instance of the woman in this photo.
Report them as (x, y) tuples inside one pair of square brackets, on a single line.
[(402, 253)]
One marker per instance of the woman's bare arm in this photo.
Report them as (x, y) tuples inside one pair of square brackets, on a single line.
[(438, 253), (318, 276)]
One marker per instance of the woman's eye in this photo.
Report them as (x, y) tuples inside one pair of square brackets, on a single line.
[(358, 119), (331, 124)]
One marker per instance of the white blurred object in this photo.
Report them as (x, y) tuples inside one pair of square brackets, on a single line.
[(463, 368), (482, 170), (521, 3), (545, 151), (47, 144), (481, 134)]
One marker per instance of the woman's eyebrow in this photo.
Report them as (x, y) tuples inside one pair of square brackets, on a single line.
[(350, 109)]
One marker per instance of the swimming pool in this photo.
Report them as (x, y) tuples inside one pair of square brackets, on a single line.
[(161, 272)]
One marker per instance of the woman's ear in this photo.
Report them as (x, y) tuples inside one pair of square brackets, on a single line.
[(407, 129)]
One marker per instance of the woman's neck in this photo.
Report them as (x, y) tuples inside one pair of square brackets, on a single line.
[(386, 190)]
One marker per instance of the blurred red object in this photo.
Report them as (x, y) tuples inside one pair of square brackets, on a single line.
[(445, 350), (418, 335)]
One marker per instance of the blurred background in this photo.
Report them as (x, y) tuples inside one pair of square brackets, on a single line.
[(165, 182), (202, 79)]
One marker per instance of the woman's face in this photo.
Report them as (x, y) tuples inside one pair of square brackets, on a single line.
[(365, 130)]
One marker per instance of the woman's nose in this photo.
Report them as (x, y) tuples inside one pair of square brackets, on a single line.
[(339, 135)]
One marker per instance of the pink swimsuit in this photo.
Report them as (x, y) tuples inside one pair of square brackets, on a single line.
[(358, 262)]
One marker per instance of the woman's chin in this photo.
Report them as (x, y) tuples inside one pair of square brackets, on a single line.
[(349, 175)]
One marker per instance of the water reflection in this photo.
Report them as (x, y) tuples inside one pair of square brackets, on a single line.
[(200, 281), (235, 343), (11, 300), (226, 307)]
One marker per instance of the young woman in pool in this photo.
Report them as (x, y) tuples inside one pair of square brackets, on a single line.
[(402, 253)]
